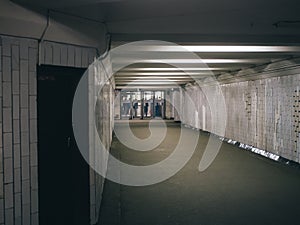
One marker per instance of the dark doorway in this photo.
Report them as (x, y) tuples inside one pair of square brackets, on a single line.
[(63, 173)]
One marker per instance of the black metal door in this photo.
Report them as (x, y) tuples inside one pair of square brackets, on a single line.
[(63, 173)]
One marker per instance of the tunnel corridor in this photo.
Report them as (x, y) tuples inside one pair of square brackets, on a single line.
[(82, 80)]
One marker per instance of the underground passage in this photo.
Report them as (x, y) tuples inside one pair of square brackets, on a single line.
[(127, 112)]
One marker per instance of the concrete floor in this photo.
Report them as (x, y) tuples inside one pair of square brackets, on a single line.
[(238, 188)]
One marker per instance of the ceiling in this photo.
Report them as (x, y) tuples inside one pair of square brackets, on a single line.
[(164, 64), (191, 23)]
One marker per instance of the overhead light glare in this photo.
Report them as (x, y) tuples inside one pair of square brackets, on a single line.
[(216, 48), (172, 69), (160, 73), (185, 61)]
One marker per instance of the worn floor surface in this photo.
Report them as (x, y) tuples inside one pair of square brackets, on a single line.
[(238, 188)]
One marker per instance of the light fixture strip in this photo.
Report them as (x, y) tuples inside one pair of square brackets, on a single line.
[(161, 73), (188, 61), (152, 77), (217, 48), (172, 69)]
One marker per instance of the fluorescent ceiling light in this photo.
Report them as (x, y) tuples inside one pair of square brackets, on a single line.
[(160, 87), (152, 77), (153, 80), (215, 48), (149, 82), (183, 61), (141, 81), (160, 73), (172, 69), (194, 48)]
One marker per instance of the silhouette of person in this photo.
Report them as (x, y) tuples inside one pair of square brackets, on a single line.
[(135, 106), (146, 108), (157, 110)]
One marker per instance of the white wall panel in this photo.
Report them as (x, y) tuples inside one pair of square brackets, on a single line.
[(18, 123), (263, 113), (103, 115)]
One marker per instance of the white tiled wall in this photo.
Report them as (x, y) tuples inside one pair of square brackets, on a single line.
[(66, 55), (18, 124), (263, 113), (101, 113)]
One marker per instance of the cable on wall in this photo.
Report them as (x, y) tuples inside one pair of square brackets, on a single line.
[(42, 38), (103, 23)]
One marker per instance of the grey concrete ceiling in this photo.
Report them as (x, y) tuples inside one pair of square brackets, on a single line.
[(191, 22), (207, 17)]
